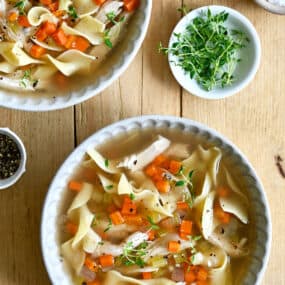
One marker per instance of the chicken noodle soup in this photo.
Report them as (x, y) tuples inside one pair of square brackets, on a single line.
[(169, 213), (46, 41)]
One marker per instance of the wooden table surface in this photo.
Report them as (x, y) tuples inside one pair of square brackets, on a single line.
[(254, 120)]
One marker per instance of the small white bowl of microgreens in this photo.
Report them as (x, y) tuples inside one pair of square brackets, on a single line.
[(12, 158), (214, 52)]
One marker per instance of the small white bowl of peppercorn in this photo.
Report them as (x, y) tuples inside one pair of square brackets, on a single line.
[(214, 52), (12, 158)]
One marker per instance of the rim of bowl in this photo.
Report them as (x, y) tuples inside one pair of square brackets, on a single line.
[(142, 122), (5, 183), (273, 8), (90, 90), (252, 71)]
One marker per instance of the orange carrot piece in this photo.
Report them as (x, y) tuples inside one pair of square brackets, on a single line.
[(223, 191), (117, 218), (53, 6), (129, 207), (106, 260), (70, 42), (37, 51), (23, 21), (159, 160), (189, 275), (134, 220), (49, 27), (60, 37), (175, 166), (75, 186), (173, 246), (91, 264), (41, 35), (151, 235), (163, 186), (146, 275), (71, 228), (13, 16), (59, 13), (202, 274), (221, 214), (186, 227), (182, 205), (150, 170), (131, 5), (81, 44), (99, 2), (46, 2)]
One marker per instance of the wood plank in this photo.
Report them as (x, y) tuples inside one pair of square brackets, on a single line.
[(49, 138), (254, 120)]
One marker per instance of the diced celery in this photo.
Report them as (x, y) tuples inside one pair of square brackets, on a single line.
[(158, 261)]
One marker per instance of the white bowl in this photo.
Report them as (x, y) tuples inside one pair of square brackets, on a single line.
[(245, 70), (271, 7), (5, 183), (234, 158), (116, 63)]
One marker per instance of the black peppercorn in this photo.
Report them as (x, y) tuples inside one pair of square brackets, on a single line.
[(10, 157)]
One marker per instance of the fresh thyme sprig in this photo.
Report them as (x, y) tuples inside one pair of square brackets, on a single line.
[(132, 255), (107, 39), (207, 50), (27, 79), (111, 16)]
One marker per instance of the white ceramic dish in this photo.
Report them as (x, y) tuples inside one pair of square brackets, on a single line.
[(116, 63), (271, 7), (237, 161), (5, 183), (245, 70)]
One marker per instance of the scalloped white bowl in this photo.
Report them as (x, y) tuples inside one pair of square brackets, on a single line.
[(233, 157), (116, 63)]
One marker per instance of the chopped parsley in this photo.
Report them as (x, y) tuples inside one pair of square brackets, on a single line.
[(180, 183), (72, 12), (106, 162)]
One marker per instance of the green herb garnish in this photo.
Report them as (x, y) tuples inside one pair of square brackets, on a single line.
[(132, 196), (20, 5), (153, 225), (208, 51), (107, 39), (133, 256), (109, 226), (180, 183), (72, 12), (106, 162), (27, 79), (111, 16), (109, 187)]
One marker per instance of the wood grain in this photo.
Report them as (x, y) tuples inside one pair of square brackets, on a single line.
[(253, 120)]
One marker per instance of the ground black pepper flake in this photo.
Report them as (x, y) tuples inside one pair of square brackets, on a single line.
[(278, 162), (10, 157)]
